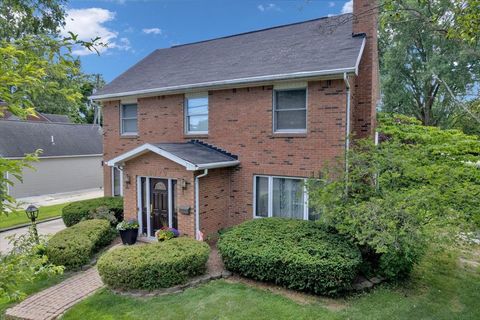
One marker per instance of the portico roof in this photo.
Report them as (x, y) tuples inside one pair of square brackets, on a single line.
[(193, 155)]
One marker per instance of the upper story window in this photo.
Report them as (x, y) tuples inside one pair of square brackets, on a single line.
[(128, 119), (290, 110), (196, 113)]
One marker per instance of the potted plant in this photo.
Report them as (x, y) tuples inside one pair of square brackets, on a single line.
[(166, 233), (128, 231)]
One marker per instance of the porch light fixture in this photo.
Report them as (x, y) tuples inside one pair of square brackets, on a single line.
[(32, 214), (183, 184)]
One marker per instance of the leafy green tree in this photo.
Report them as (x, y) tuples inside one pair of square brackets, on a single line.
[(421, 53), (35, 62), (30, 17), (460, 19), (26, 262), (420, 184)]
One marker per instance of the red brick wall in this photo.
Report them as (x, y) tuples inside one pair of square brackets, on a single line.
[(366, 85), (214, 200), (240, 121)]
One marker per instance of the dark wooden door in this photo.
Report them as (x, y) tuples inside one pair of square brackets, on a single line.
[(159, 204)]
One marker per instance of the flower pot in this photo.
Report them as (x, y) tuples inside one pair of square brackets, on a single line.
[(129, 236)]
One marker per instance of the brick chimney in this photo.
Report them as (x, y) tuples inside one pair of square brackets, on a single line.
[(366, 93)]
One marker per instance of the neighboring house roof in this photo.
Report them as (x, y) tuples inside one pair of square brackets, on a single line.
[(317, 47), (38, 116), (18, 138), (57, 117), (193, 155)]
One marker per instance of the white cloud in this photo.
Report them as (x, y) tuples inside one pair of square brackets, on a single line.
[(88, 24), (348, 7), (331, 4), (152, 30), (268, 7)]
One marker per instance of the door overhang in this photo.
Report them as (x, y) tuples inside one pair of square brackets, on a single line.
[(192, 155)]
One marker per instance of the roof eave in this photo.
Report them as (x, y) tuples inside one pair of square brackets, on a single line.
[(239, 81), (150, 147)]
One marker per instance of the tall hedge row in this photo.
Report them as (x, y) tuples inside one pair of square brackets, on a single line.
[(297, 254), (77, 211)]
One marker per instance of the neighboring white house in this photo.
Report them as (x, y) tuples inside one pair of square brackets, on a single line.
[(71, 157)]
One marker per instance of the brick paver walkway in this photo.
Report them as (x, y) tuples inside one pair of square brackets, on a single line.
[(54, 301)]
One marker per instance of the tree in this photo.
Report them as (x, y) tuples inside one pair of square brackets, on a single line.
[(41, 20), (421, 50), (35, 62), (419, 185), (30, 17), (460, 21)]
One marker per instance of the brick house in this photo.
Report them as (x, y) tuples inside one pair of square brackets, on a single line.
[(206, 135)]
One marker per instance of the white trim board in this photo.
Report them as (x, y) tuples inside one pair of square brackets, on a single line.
[(230, 82)]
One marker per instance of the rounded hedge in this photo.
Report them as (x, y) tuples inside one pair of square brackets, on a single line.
[(297, 254), (154, 266), (77, 211), (74, 247)]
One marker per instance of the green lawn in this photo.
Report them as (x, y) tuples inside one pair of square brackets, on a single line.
[(439, 289), (30, 288), (19, 217)]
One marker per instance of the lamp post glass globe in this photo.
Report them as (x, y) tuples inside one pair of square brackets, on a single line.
[(32, 212)]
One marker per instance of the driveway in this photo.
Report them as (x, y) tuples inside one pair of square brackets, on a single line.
[(49, 227)]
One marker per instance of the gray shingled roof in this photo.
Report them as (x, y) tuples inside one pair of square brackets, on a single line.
[(320, 45), (57, 117), (196, 153), (20, 137)]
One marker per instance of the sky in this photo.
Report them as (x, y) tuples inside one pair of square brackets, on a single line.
[(133, 29)]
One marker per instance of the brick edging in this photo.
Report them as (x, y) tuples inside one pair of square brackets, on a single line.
[(193, 282)]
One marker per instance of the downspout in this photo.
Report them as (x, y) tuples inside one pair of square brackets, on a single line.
[(197, 204), (347, 129)]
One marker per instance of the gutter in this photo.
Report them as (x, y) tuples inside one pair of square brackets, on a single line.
[(284, 76), (197, 204), (348, 112), (347, 125)]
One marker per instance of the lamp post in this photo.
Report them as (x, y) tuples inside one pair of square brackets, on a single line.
[(32, 214)]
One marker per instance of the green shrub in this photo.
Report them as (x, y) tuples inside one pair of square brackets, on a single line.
[(81, 210), (297, 254), (153, 266), (75, 246)]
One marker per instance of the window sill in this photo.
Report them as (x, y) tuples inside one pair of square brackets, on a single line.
[(129, 136), (195, 136), (289, 135)]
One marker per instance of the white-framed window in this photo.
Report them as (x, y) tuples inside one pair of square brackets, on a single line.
[(290, 110), (284, 197), (117, 182), (196, 113), (128, 119)]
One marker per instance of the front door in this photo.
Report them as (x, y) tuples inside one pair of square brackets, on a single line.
[(158, 204)]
